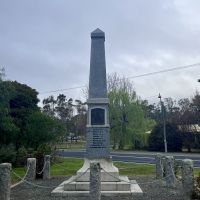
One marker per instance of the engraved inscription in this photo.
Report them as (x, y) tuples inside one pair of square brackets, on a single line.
[(97, 142), (98, 138)]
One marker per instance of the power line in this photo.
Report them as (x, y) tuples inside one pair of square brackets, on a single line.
[(165, 70), (131, 77), (72, 88)]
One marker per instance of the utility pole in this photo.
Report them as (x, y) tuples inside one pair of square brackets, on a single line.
[(164, 122)]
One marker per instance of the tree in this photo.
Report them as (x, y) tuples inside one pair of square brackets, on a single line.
[(127, 116), (59, 107), (2, 74), (78, 122), (49, 106), (196, 107), (64, 108), (8, 130), (42, 129), (23, 101), (173, 134), (21, 121)]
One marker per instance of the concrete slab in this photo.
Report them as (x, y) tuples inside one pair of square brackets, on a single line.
[(108, 188)]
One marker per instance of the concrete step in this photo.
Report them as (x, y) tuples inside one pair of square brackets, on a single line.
[(134, 190), (124, 185)]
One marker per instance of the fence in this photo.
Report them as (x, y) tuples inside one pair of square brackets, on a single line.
[(164, 171)]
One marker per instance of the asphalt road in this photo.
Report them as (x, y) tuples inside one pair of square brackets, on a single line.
[(136, 157)]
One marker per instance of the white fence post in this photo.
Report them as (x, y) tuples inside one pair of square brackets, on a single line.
[(159, 166), (31, 165), (170, 175), (95, 181), (187, 177), (46, 173)]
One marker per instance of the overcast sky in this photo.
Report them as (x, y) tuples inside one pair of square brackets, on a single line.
[(46, 43)]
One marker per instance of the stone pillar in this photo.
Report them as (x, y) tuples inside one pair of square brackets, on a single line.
[(5, 181), (187, 177), (31, 167), (95, 181), (46, 172), (170, 176), (159, 166)]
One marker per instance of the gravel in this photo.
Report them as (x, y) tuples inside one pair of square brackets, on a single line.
[(152, 190)]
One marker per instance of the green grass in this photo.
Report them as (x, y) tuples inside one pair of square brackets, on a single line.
[(66, 167), (69, 166), (133, 169), (19, 171)]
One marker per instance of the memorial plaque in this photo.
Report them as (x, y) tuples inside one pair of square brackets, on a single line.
[(98, 143), (98, 139), (97, 116)]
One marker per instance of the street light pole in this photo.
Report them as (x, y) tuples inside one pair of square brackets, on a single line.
[(164, 122)]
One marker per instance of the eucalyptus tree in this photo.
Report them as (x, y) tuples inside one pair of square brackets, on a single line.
[(49, 106)]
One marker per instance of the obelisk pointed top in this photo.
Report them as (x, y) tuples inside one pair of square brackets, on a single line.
[(97, 33)]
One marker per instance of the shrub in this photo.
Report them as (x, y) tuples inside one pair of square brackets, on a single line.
[(22, 155), (42, 150), (7, 153), (173, 136)]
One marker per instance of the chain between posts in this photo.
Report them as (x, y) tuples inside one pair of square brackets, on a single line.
[(61, 166), (46, 187), (77, 177), (22, 179), (145, 183)]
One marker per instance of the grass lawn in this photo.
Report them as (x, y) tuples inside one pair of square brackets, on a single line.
[(69, 166), (19, 171)]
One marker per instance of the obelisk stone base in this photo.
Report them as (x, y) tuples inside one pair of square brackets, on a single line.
[(111, 183), (107, 167)]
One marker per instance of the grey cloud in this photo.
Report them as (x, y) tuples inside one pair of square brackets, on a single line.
[(46, 44)]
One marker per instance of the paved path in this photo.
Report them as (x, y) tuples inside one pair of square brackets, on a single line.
[(138, 157)]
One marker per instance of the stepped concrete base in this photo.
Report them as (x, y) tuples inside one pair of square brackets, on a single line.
[(134, 190), (71, 185), (111, 183)]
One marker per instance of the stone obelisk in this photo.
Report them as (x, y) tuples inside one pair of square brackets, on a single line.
[(98, 137)]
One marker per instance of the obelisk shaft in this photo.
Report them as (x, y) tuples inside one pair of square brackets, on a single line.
[(97, 81), (98, 137)]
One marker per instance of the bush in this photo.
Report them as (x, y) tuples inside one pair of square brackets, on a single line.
[(22, 155), (136, 142), (173, 136), (42, 150), (7, 153)]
